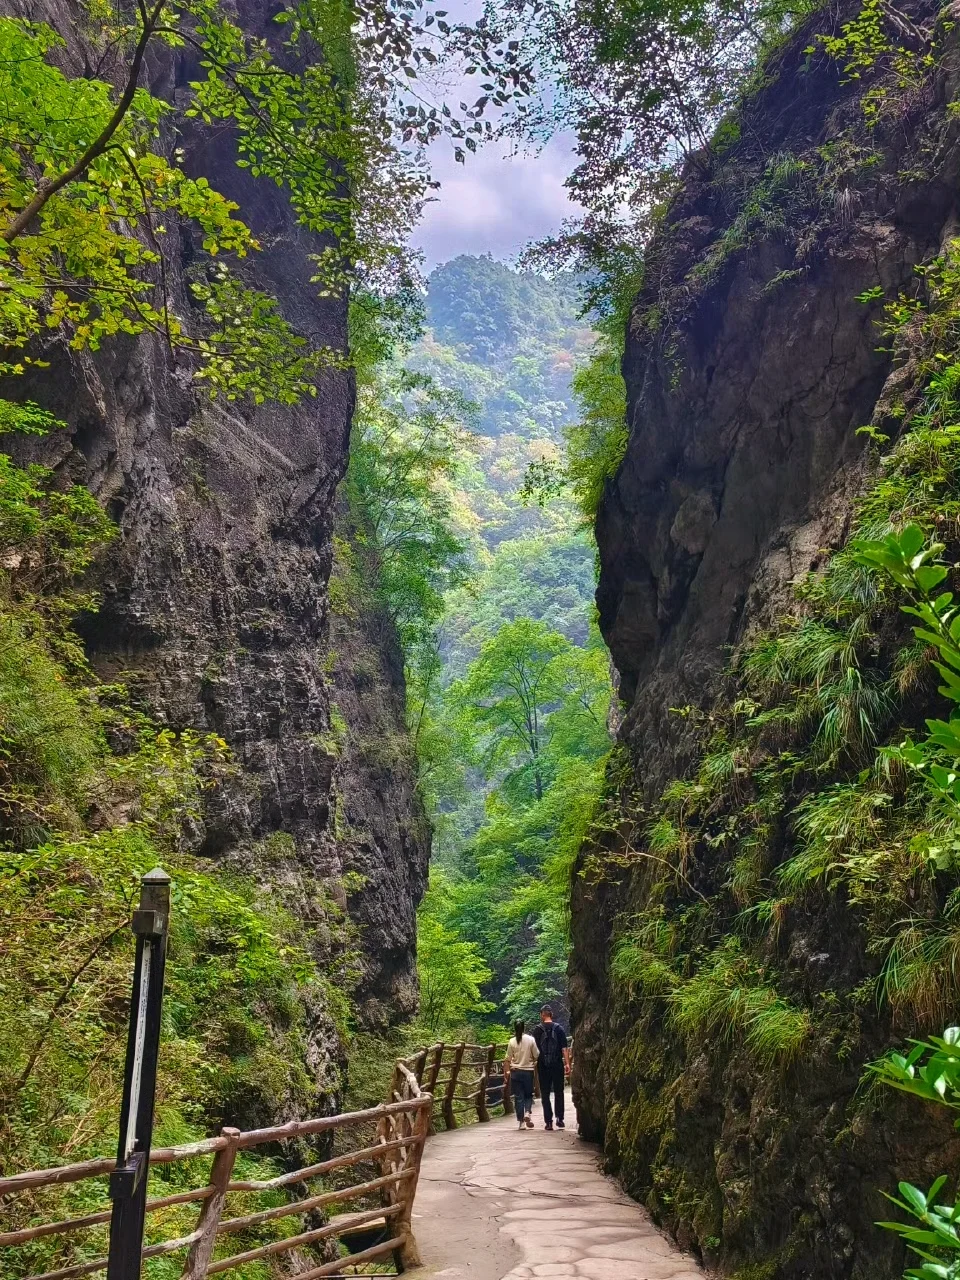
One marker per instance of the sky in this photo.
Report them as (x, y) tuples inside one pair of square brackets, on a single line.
[(494, 203)]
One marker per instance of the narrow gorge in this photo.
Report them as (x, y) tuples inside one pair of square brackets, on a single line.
[(483, 589)]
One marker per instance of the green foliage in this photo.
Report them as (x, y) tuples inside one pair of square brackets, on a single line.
[(507, 693), (772, 203), (507, 681), (451, 971), (49, 743), (79, 265), (408, 434), (911, 564), (245, 336), (642, 87), (727, 997), (509, 341), (814, 776), (597, 442), (48, 533), (873, 46), (812, 677), (544, 576), (93, 795), (540, 977), (833, 828), (643, 956), (486, 310), (93, 203), (931, 1071)]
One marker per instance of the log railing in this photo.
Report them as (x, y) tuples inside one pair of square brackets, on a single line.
[(464, 1080), (384, 1144), (372, 1164)]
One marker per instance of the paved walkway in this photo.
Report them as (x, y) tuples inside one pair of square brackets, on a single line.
[(497, 1204)]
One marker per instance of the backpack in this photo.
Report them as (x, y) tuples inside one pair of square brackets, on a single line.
[(549, 1049)]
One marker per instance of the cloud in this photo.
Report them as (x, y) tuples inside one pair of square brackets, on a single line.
[(495, 203)]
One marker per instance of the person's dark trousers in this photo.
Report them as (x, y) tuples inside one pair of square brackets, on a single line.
[(551, 1080), (521, 1084)]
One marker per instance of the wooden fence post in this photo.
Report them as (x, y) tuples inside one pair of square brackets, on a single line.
[(449, 1119), (409, 1253), (435, 1068), (431, 1084), (491, 1059), (128, 1182), (483, 1115), (201, 1251), (421, 1062)]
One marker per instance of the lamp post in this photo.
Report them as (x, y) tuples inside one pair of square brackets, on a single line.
[(128, 1182)]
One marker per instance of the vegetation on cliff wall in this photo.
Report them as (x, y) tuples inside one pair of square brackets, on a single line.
[(784, 908), (93, 794), (111, 250)]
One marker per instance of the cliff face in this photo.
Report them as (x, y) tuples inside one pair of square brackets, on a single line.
[(379, 822), (750, 363), (215, 606)]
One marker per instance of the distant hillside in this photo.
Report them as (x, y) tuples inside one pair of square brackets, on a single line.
[(488, 309), (510, 341), (507, 339)]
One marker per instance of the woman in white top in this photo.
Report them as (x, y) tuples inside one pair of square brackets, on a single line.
[(518, 1065)]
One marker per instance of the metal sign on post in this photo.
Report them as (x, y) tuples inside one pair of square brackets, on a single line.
[(128, 1182)]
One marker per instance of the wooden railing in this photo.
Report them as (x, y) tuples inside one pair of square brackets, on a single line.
[(385, 1143), (372, 1162), (461, 1078)]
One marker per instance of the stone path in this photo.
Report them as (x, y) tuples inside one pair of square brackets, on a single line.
[(497, 1204)]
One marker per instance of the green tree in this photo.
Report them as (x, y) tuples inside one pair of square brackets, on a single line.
[(597, 441), (85, 194), (536, 709), (451, 971), (408, 442), (508, 693), (93, 201)]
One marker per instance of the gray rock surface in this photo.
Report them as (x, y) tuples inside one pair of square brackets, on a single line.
[(215, 607), (749, 367)]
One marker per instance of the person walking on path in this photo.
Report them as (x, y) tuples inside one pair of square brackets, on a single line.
[(553, 1065), (518, 1065)]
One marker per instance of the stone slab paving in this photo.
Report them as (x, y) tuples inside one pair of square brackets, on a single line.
[(495, 1203)]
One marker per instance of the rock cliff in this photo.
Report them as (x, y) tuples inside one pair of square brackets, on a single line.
[(215, 605), (753, 356)]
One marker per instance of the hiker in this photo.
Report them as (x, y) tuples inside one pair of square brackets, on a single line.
[(553, 1065), (518, 1065)]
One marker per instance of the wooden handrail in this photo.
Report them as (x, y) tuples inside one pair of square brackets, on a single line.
[(9, 1238), (362, 1156), (402, 1125)]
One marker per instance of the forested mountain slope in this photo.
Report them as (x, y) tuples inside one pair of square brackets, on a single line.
[(503, 830), (768, 900), (509, 342)]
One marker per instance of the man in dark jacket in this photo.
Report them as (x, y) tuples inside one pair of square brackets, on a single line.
[(553, 1065)]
